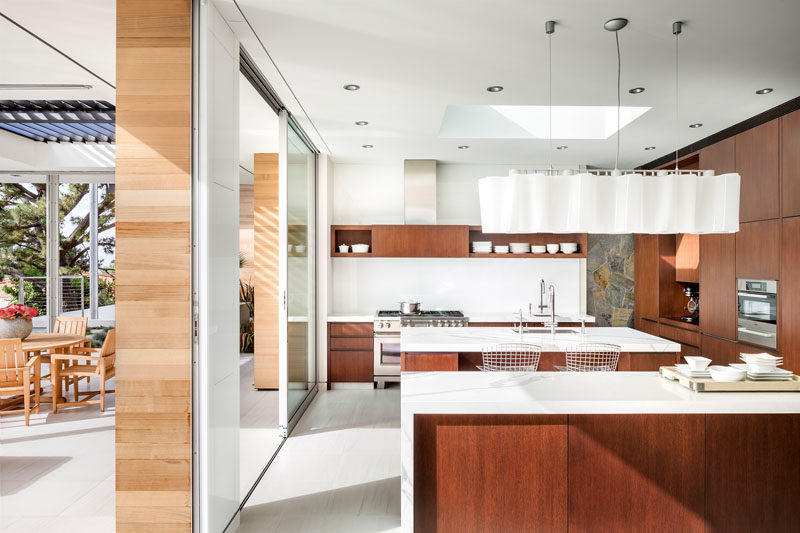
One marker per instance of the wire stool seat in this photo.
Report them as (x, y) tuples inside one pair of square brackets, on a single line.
[(512, 357), (591, 357)]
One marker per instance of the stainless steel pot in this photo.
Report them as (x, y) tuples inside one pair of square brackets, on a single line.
[(409, 308)]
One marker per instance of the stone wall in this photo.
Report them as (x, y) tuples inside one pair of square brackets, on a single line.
[(609, 279)]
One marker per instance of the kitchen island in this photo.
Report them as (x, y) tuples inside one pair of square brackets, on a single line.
[(441, 349), (551, 451)]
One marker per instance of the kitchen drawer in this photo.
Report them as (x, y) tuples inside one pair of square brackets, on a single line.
[(348, 366), (648, 326), (351, 343), (429, 362), (679, 335), (350, 329), (689, 350)]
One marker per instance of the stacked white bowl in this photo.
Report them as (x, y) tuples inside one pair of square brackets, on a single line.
[(360, 248), (482, 247), (520, 247), (500, 249), (552, 248), (569, 247), (538, 248), (761, 363)]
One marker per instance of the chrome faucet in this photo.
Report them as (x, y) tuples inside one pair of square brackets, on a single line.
[(542, 307), (553, 322)]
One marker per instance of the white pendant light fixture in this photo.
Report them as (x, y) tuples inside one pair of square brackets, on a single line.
[(610, 201)]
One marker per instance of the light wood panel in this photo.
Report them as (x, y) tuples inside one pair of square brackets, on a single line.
[(153, 261), (265, 274)]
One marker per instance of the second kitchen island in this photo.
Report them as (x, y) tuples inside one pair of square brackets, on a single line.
[(453, 349)]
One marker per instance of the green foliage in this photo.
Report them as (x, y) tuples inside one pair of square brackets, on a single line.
[(247, 295), (98, 335)]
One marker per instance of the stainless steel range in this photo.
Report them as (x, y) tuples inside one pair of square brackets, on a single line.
[(386, 329)]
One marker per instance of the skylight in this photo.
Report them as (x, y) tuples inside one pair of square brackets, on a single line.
[(531, 121)]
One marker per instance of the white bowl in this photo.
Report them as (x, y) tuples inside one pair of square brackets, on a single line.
[(501, 249), (759, 368), (360, 248), (299, 248), (697, 363), (482, 243), (569, 247), (344, 248), (519, 247), (290, 248), (726, 373), (552, 248), (538, 249)]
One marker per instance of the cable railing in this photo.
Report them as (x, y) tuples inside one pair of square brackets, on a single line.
[(74, 292)]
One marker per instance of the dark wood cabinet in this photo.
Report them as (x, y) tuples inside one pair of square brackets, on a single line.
[(719, 157), (758, 250), (420, 241), (687, 258), (429, 362), (645, 280), (789, 290), (758, 163), (350, 353), (790, 164), (724, 352), (718, 285)]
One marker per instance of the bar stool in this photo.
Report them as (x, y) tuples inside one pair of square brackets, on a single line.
[(514, 357), (591, 357)]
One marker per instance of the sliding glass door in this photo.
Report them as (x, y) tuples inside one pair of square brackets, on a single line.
[(298, 375)]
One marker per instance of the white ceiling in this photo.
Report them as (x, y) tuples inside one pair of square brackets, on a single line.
[(414, 58), (83, 29), (258, 128)]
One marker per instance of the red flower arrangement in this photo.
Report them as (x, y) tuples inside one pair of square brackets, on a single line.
[(18, 311)]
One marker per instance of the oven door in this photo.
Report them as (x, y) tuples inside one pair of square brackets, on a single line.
[(387, 355), (758, 314)]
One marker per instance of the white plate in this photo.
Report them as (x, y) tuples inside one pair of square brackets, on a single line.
[(774, 372), (686, 371)]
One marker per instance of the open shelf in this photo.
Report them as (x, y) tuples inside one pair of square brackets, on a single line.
[(540, 239), (350, 235)]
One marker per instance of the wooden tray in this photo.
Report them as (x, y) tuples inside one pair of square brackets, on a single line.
[(709, 385)]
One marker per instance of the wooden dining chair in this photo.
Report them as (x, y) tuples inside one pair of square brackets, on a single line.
[(100, 365), (69, 325), (16, 377)]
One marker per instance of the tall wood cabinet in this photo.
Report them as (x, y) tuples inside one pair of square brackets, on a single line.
[(757, 161), (790, 164), (758, 246), (788, 302), (718, 285)]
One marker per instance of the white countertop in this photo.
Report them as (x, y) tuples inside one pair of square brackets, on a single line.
[(335, 317), (558, 393), (474, 339), (504, 316)]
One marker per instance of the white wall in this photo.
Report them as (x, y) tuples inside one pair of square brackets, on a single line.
[(373, 194)]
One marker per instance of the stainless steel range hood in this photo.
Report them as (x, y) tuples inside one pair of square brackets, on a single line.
[(420, 191)]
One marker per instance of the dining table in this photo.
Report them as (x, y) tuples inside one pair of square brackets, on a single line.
[(36, 343)]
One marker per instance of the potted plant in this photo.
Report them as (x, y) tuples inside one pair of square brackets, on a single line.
[(16, 321)]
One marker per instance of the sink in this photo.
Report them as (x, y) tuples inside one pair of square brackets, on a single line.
[(559, 331)]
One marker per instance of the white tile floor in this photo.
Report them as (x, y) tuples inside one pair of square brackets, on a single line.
[(58, 474), (338, 471)]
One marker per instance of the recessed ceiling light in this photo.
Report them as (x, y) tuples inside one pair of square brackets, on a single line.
[(636, 90), (351, 87), (562, 147), (696, 125), (495, 88), (463, 147), (649, 147), (764, 91), (366, 146), (361, 123)]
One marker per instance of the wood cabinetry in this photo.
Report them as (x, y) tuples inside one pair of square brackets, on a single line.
[(790, 164), (789, 295), (429, 362), (645, 280), (718, 285), (350, 352), (758, 247), (420, 241), (723, 351), (687, 258), (719, 157), (758, 162)]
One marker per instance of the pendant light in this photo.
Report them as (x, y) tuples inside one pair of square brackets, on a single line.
[(611, 201)]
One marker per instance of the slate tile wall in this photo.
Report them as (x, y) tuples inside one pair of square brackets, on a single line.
[(609, 279)]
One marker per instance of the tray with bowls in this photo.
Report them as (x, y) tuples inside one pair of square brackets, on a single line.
[(729, 379)]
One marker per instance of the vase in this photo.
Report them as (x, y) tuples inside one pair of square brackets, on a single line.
[(15, 328)]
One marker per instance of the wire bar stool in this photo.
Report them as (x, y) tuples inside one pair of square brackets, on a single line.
[(591, 357), (513, 357)]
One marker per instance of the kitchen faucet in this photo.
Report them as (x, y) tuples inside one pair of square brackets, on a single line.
[(542, 307), (552, 324)]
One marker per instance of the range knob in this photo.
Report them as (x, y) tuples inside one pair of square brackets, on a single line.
[(380, 325)]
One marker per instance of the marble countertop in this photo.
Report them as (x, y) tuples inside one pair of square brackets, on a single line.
[(505, 316), (350, 317), (474, 339)]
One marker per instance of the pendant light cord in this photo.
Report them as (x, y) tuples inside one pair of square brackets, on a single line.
[(619, 99), (550, 97), (677, 120)]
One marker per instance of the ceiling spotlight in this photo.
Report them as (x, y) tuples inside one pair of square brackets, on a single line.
[(494, 88), (696, 125), (463, 147), (361, 123), (649, 147), (615, 24), (562, 147), (764, 91), (351, 87), (366, 146), (636, 90)]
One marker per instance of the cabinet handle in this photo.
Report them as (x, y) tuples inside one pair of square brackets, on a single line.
[(753, 295), (751, 332)]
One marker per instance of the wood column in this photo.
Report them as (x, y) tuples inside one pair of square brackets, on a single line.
[(265, 275), (153, 260)]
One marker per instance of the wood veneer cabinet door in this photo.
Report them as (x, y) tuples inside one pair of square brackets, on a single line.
[(723, 352), (645, 267), (790, 163), (718, 309), (687, 258), (752, 472), (719, 157), (789, 297), (757, 161), (420, 241), (758, 250), (636, 472), (490, 473)]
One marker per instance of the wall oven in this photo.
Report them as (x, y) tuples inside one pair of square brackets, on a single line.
[(758, 311)]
